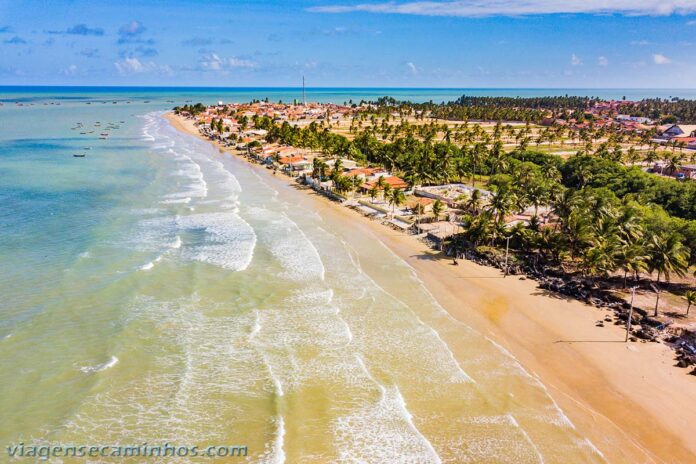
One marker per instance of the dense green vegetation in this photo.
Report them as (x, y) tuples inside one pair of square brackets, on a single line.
[(667, 111), (191, 109), (605, 216), (534, 109)]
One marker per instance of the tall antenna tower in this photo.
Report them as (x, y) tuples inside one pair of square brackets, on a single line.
[(304, 99)]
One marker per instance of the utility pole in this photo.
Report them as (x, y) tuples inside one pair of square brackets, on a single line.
[(507, 251), (630, 314)]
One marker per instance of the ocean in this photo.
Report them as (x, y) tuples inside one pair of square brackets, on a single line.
[(158, 291)]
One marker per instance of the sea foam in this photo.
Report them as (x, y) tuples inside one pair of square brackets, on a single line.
[(100, 367)]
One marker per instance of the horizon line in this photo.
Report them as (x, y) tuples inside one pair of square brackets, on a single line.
[(337, 87)]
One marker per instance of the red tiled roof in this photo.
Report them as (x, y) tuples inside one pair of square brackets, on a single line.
[(291, 159), (393, 181)]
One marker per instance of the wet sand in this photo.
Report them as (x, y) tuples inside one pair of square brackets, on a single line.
[(628, 399)]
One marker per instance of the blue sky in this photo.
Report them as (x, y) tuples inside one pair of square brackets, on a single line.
[(403, 43)]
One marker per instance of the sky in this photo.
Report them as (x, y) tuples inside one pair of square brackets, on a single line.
[(350, 43)]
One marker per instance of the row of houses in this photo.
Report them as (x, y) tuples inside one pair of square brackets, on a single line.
[(686, 171)]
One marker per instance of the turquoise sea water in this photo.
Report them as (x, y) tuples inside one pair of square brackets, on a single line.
[(163, 96), (157, 290)]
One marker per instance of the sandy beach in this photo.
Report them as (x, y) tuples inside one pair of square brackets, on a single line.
[(628, 399)]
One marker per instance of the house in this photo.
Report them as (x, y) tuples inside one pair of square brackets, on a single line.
[(688, 170), (688, 142), (679, 131), (294, 163), (426, 203), (366, 173), (637, 119), (393, 182)]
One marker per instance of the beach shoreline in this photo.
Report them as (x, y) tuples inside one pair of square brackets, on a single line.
[(614, 393)]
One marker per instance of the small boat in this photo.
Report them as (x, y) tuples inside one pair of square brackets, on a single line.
[(87, 148), (77, 155), (83, 133)]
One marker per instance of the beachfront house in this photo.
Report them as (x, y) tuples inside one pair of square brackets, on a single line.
[(679, 131), (393, 182), (364, 174), (295, 164)]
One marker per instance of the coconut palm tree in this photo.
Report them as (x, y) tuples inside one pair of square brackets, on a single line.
[(502, 203), (474, 203), (419, 210), (668, 255), (319, 168), (690, 297), (373, 193), (437, 208), (386, 191), (396, 198), (633, 259)]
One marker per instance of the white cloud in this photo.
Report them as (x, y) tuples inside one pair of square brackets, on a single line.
[(69, 71), (413, 69), (480, 8), (575, 60), (691, 23), (603, 61), (659, 58), (213, 62), (235, 62), (640, 42), (135, 66), (131, 29)]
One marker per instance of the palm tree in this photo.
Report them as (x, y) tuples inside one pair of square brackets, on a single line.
[(396, 199), (690, 297), (437, 208), (474, 203), (373, 193), (633, 259), (419, 210), (667, 255), (337, 168), (385, 191), (501, 203), (319, 168)]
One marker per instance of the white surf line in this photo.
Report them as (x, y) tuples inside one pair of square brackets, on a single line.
[(382, 389), (467, 377), (313, 247), (350, 249), (256, 327), (406, 414), (536, 381), (565, 418), (279, 442), (648, 453), (514, 422), (409, 420)]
